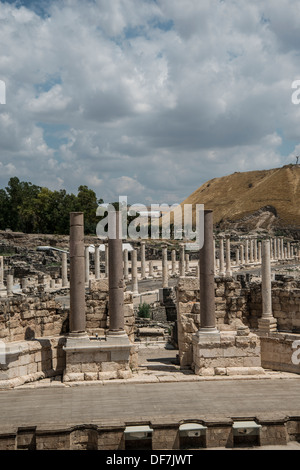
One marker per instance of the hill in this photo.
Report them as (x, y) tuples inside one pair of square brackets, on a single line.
[(266, 199)]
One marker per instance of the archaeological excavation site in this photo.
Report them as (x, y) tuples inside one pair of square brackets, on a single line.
[(149, 344)]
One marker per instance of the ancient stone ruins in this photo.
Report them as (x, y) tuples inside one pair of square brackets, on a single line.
[(72, 315)]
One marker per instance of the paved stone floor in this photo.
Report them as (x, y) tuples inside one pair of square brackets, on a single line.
[(129, 402)]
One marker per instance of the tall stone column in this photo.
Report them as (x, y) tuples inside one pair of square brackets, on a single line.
[(143, 260), (115, 278), (228, 260), (77, 275), (207, 278), (173, 258), (181, 261), (64, 270), (97, 262), (267, 323), (221, 257), (271, 249), (106, 260), (125, 259), (165, 273), (134, 275), (87, 264), (1, 272)]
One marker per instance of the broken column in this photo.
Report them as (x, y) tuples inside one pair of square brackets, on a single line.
[(267, 323), (10, 284), (64, 270)]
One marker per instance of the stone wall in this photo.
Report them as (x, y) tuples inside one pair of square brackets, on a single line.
[(277, 352), (37, 314), (285, 304)]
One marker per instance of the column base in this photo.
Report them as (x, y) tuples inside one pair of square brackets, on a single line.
[(267, 325)]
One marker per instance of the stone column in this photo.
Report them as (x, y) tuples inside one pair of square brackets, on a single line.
[(242, 254), (221, 257), (267, 323), (246, 251), (251, 251), (125, 259), (259, 252), (87, 264), (97, 262), (115, 278), (255, 250), (271, 249), (173, 258), (24, 283), (237, 256), (215, 261), (143, 261), (280, 254), (64, 270), (1, 272), (77, 275), (181, 261), (134, 275), (106, 260), (228, 260), (165, 273), (275, 247), (288, 250), (150, 268), (282, 248), (187, 262), (207, 278), (10, 284)]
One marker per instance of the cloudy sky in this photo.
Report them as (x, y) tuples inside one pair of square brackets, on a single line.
[(146, 98)]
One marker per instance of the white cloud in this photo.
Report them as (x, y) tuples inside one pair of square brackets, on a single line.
[(151, 98)]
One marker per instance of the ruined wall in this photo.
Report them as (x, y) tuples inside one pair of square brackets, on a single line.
[(40, 314), (285, 304), (237, 302)]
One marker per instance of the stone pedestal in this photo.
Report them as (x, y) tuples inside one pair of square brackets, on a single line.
[(92, 359), (227, 353)]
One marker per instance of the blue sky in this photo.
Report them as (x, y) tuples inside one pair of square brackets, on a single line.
[(147, 99)]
